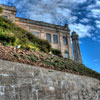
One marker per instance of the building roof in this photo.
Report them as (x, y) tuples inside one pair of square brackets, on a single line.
[(40, 23), (12, 8)]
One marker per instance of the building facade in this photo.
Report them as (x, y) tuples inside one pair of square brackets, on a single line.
[(58, 36)]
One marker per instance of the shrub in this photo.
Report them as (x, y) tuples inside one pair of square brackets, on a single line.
[(43, 45), (4, 43), (5, 38), (56, 52), (1, 10)]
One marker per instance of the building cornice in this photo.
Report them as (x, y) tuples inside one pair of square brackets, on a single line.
[(11, 8), (40, 23)]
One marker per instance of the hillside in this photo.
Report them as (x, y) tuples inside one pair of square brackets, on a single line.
[(35, 51)]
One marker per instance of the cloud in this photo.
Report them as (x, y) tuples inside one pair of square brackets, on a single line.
[(94, 38), (95, 13), (54, 11), (81, 30), (89, 7), (98, 3), (94, 9), (84, 20), (37, 9), (75, 1), (57, 12), (97, 24)]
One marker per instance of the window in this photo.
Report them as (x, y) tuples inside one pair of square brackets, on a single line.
[(65, 40), (48, 36), (5, 17), (55, 39), (66, 55)]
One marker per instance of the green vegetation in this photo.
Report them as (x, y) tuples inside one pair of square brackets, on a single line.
[(7, 39), (14, 35), (1, 10), (67, 65), (15, 55), (23, 57), (56, 52), (33, 58)]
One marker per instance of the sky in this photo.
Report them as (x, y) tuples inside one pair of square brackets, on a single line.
[(82, 16)]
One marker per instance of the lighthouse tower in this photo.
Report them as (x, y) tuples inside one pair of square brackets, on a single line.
[(76, 48)]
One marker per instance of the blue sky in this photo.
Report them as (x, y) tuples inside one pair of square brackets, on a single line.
[(82, 16)]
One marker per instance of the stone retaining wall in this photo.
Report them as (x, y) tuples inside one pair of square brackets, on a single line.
[(25, 82)]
